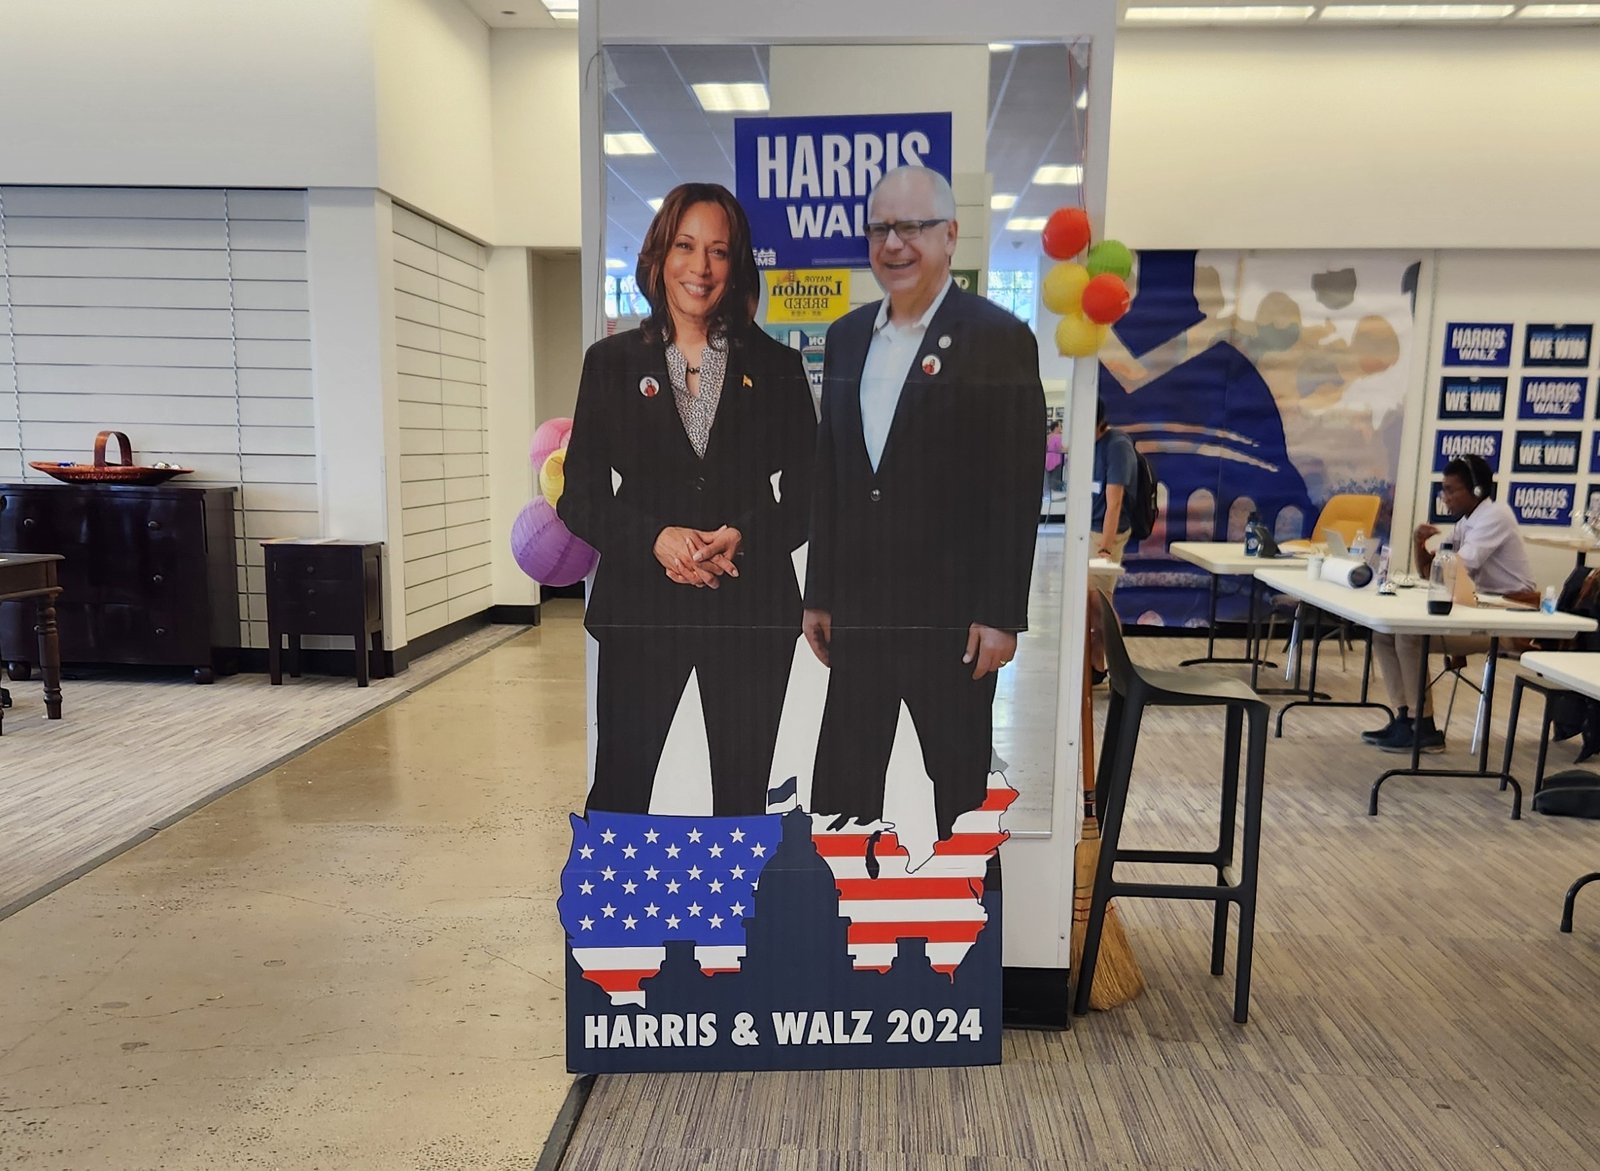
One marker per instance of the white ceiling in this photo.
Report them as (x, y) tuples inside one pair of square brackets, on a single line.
[(516, 14), (532, 14)]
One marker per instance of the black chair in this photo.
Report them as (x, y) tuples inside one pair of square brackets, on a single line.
[(1133, 689)]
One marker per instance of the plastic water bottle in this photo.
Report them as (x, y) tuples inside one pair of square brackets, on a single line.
[(1252, 535), (1358, 547), (1383, 569), (1442, 580), (1547, 604)]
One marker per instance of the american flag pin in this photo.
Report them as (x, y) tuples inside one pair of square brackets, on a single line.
[(746, 381), (931, 365), (649, 387), (944, 342)]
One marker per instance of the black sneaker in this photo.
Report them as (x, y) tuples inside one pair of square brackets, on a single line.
[(1400, 739), (1379, 735)]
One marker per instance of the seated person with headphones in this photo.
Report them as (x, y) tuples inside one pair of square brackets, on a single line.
[(1489, 549)]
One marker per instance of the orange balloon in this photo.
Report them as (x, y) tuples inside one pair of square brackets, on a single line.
[(1066, 232), (1105, 298)]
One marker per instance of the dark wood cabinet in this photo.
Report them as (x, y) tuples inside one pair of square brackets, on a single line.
[(149, 576), (324, 586)]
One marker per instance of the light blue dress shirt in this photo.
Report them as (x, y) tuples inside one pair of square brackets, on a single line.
[(883, 374)]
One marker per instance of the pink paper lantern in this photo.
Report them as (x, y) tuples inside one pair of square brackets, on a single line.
[(545, 548), (551, 434)]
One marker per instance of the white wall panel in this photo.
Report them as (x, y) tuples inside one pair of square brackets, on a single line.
[(178, 317), (444, 489)]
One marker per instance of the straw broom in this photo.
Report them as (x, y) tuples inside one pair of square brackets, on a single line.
[(1117, 978)]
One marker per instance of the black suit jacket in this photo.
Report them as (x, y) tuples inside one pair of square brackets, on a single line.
[(942, 534), (765, 424)]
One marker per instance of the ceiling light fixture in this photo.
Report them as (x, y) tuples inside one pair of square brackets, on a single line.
[(1053, 176), (726, 97), (613, 262), (1560, 12), (1001, 46), (1002, 202), (1083, 100), (1025, 223), (628, 143), (655, 204), (1231, 14), (562, 9), (1407, 12)]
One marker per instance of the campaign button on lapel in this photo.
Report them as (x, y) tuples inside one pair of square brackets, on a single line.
[(944, 342), (931, 365), (649, 387)]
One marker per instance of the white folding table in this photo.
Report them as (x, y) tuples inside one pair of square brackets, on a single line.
[(1228, 559), (1406, 612), (1548, 671), (1578, 543)]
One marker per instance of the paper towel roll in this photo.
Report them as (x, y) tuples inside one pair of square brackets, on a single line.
[(1349, 572)]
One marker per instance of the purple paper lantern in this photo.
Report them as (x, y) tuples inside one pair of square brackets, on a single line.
[(546, 549), (550, 435)]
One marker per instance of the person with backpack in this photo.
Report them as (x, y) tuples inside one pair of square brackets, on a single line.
[(1115, 487), (1116, 498)]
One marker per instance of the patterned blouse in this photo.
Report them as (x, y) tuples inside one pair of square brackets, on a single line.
[(698, 411)]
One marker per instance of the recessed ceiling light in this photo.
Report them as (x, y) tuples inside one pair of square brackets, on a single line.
[(562, 9), (1392, 12), (613, 262), (628, 143), (1001, 46), (1560, 12), (1025, 223), (1059, 176), (718, 97), (1002, 202), (1227, 14), (655, 204)]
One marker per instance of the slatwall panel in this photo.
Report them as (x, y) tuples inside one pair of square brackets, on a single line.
[(444, 485), (176, 316)]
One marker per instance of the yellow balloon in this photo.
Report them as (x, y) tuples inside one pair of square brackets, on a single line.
[(553, 476), (1078, 337), (1063, 288)]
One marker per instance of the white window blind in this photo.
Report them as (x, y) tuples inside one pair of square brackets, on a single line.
[(443, 469), (176, 316)]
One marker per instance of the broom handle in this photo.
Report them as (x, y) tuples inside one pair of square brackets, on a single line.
[(1091, 823)]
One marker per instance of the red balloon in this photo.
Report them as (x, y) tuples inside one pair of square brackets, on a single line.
[(1066, 232), (1105, 298)]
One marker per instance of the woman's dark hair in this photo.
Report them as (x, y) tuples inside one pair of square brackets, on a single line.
[(1473, 471), (737, 308)]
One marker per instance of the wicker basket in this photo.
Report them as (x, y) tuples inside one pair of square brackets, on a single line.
[(100, 472)]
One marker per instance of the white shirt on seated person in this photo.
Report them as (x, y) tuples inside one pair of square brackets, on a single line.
[(1490, 547)]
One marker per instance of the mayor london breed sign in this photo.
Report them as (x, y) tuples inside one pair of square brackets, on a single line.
[(804, 181)]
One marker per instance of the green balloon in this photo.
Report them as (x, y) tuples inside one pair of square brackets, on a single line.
[(1110, 256)]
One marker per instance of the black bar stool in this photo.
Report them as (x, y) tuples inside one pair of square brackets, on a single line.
[(1132, 690)]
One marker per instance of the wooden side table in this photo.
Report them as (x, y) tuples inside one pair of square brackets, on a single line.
[(32, 577), (324, 587)]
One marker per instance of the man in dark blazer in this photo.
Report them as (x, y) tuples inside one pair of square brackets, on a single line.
[(924, 513)]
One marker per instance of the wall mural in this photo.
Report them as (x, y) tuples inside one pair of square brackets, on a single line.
[(1265, 381)]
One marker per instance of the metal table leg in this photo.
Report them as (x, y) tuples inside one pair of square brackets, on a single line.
[(1416, 741)]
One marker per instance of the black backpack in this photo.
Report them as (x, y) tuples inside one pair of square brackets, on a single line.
[(1143, 510)]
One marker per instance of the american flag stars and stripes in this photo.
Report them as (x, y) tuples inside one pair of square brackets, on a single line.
[(635, 882), (940, 900)]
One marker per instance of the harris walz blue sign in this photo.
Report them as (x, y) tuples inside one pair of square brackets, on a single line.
[(804, 181)]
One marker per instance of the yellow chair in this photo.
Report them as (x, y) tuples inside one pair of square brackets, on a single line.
[(1344, 514)]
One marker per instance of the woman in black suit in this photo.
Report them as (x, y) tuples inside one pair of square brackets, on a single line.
[(697, 411)]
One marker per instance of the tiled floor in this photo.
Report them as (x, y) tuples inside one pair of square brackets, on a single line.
[(351, 962)]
